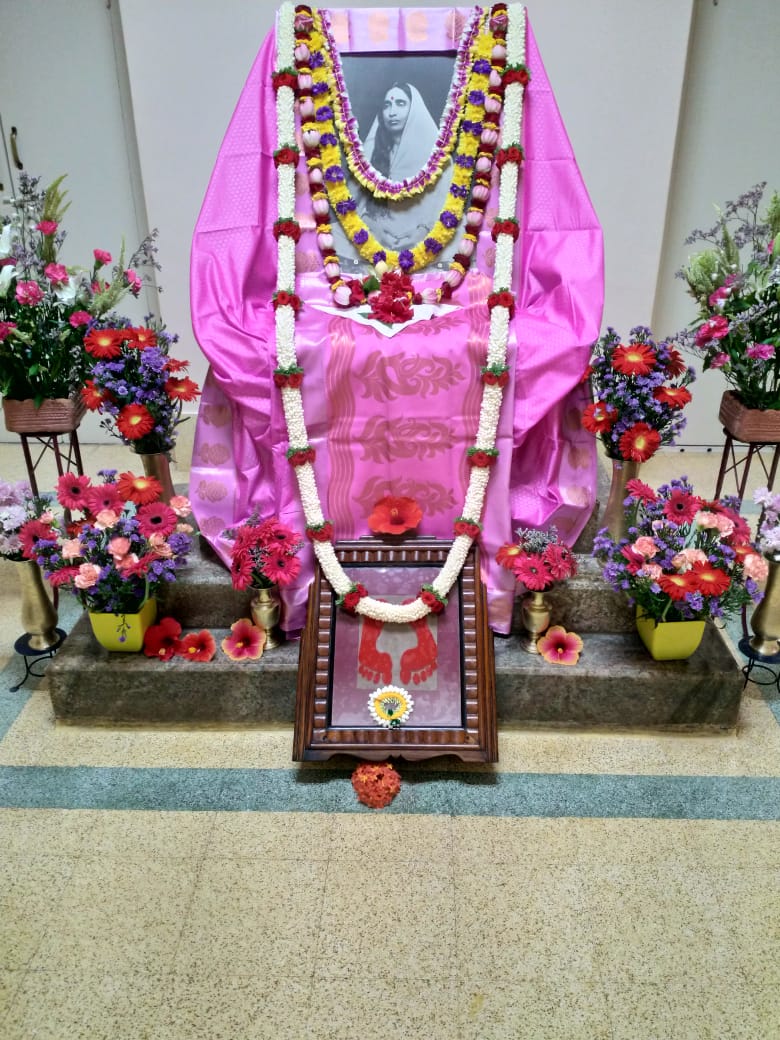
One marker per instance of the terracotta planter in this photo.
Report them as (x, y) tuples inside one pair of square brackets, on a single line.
[(749, 425), (669, 640), (123, 632), (56, 415)]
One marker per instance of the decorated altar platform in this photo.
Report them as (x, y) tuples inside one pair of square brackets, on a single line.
[(615, 685)]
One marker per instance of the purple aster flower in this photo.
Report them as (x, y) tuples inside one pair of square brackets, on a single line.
[(405, 259), (472, 127), (466, 161), (360, 237), (379, 256), (460, 191), (448, 219), (316, 59), (334, 173), (319, 88)]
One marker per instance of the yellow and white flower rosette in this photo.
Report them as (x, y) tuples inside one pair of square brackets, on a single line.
[(390, 706)]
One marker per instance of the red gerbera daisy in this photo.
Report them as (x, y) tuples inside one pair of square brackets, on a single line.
[(104, 496), (64, 576), (677, 586), (561, 561), (104, 343), (142, 338), (162, 640), (30, 532), (181, 388), (641, 491), (675, 366), (93, 396), (636, 359), (507, 555), (71, 490), (280, 568), (640, 442), (241, 567), (533, 572), (245, 642), (674, 396), (599, 417), (197, 646), (135, 421), (139, 490), (681, 507), (156, 518), (280, 536), (710, 581)]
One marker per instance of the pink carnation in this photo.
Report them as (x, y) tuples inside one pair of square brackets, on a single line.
[(713, 328), (755, 567), (646, 546), (56, 273), (716, 521), (80, 318), (101, 256), (47, 227), (760, 351), (87, 576), (719, 360), (28, 293), (686, 558), (133, 281), (119, 547), (5, 329), (71, 549)]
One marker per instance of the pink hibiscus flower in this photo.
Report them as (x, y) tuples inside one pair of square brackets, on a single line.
[(559, 646), (245, 642)]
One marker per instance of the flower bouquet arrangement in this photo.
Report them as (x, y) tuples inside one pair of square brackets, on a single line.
[(137, 386), (17, 506), (639, 391), (538, 559), (686, 558), (45, 307), (768, 539), (264, 553), (126, 546), (735, 282)]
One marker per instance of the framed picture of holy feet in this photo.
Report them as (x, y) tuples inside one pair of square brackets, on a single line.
[(377, 689)]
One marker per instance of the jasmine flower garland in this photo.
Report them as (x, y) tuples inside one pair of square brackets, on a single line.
[(483, 453)]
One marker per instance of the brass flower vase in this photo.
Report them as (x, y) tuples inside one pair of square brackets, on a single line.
[(266, 609), (614, 518), (38, 614), (535, 612), (765, 620), (158, 464)]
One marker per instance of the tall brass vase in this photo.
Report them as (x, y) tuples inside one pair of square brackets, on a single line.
[(38, 614), (535, 613), (158, 464), (765, 620), (614, 518), (266, 610)]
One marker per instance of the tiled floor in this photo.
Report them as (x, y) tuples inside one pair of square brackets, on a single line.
[(181, 884)]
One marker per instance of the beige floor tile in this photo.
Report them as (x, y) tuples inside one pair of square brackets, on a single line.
[(253, 917), (213, 1006), (380, 1003), (516, 923), (140, 835), (266, 835), (10, 981), (31, 889), (408, 910), (483, 842), (118, 911), (637, 843), (80, 1004), (376, 839), (63, 831), (533, 1009), (735, 844)]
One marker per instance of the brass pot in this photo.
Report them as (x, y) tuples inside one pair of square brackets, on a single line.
[(266, 610), (38, 614), (535, 612), (765, 620)]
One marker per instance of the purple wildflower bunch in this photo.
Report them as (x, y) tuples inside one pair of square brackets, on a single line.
[(17, 506), (735, 282), (686, 558), (639, 390), (46, 307)]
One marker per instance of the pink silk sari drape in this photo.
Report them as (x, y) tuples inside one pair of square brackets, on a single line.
[(395, 415)]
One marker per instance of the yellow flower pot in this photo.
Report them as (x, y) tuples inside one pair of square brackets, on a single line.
[(669, 640), (123, 632)]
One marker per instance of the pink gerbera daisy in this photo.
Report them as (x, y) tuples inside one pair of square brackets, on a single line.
[(104, 496), (72, 490), (280, 568), (559, 646), (245, 642), (641, 491), (681, 507), (241, 567), (156, 518), (533, 572)]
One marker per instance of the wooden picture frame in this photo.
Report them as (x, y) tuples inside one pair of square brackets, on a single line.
[(445, 662)]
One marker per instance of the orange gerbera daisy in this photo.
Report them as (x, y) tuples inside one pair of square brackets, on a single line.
[(640, 442), (675, 366), (599, 417), (92, 395), (135, 421), (710, 581), (674, 396), (104, 343), (636, 359), (507, 555), (139, 490), (141, 338)]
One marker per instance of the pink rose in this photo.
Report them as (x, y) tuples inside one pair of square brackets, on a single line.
[(28, 293), (181, 506), (755, 567), (713, 328), (106, 518), (87, 576), (101, 257), (646, 546), (686, 558), (80, 318), (47, 227), (71, 549), (133, 281), (56, 273), (760, 351), (6, 327)]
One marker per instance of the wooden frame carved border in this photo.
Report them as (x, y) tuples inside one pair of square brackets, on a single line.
[(467, 729)]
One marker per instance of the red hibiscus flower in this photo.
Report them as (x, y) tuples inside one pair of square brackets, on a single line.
[(394, 515), (636, 359), (245, 642), (197, 646), (674, 396), (182, 389), (139, 490), (639, 443), (156, 518), (162, 640), (532, 570), (71, 490), (681, 507), (104, 343), (710, 581), (599, 417), (677, 586), (134, 421)]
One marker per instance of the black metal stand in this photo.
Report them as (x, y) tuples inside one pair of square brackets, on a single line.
[(761, 663), (32, 656)]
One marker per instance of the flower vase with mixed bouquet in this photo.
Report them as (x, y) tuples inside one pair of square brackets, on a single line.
[(735, 282), (640, 389), (46, 307), (765, 619), (119, 555), (685, 559), (538, 560)]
